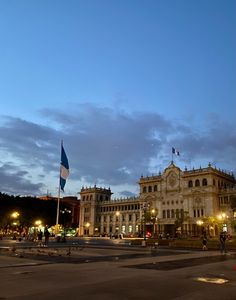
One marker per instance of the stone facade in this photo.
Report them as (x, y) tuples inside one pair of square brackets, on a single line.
[(174, 202)]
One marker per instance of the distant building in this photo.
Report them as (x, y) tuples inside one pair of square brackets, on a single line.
[(70, 202), (175, 202)]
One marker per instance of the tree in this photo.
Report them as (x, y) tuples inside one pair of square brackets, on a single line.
[(180, 219)]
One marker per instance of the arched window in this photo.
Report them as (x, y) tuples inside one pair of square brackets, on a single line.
[(204, 181), (144, 189), (101, 198), (214, 182), (155, 188), (163, 214), (149, 189), (197, 183), (190, 184)]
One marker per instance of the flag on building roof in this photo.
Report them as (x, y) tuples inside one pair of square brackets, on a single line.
[(64, 169), (174, 151)]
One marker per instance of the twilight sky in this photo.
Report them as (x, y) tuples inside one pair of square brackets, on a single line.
[(121, 82)]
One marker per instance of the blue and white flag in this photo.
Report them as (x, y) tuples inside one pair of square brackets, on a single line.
[(174, 151), (64, 170)]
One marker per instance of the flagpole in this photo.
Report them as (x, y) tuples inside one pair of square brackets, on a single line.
[(59, 193), (58, 205)]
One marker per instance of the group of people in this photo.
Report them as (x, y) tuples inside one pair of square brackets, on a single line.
[(222, 240), (40, 235)]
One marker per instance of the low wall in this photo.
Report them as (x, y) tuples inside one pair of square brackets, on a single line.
[(186, 243)]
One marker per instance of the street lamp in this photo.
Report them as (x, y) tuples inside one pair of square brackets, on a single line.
[(64, 212), (15, 216), (153, 214), (222, 217), (118, 220), (38, 223), (200, 223), (87, 228)]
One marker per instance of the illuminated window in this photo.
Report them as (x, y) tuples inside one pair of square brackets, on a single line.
[(123, 228)]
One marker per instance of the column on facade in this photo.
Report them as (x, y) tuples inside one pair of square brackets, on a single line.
[(134, 222)]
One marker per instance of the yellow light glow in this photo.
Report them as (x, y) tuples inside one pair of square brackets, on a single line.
[(117, 213), (15, 214), (38, 222), (199, 222), (87, 225), (222, 216)]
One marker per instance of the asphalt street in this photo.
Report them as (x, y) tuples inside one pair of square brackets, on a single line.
[(116, 273)]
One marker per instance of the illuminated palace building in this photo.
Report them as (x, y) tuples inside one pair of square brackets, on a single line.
[(175, 202)]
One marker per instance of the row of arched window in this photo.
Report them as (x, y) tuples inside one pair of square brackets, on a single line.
[(98, 198), (150, 189), (197, 182), (172, 213), (120, 208)]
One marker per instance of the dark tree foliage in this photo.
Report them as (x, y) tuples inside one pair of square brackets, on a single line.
[(30, 209)]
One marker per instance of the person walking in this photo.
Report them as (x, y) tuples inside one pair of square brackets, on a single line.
[(222, 242), (204, 243), (46, 237), (40, 238)]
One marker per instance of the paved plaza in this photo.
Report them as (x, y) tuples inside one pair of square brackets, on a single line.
[(116, 273)]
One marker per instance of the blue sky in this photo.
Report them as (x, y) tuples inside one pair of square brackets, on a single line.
[(121, 82)]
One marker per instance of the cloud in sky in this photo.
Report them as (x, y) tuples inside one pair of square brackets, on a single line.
[(107, 147)]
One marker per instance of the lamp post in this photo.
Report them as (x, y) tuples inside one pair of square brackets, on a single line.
[(87, 225), (222, 217), (65, 211), (15, 216), (38, 226), (200, 223), (153, 214), (118, 220)]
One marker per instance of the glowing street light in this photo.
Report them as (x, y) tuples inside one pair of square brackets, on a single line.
[(118, 220), (87, 225), (199, 222), (154, 217), (15, 215), (222, 216), (38, 223)]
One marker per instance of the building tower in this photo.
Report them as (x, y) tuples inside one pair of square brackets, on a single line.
[(91, 199)]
